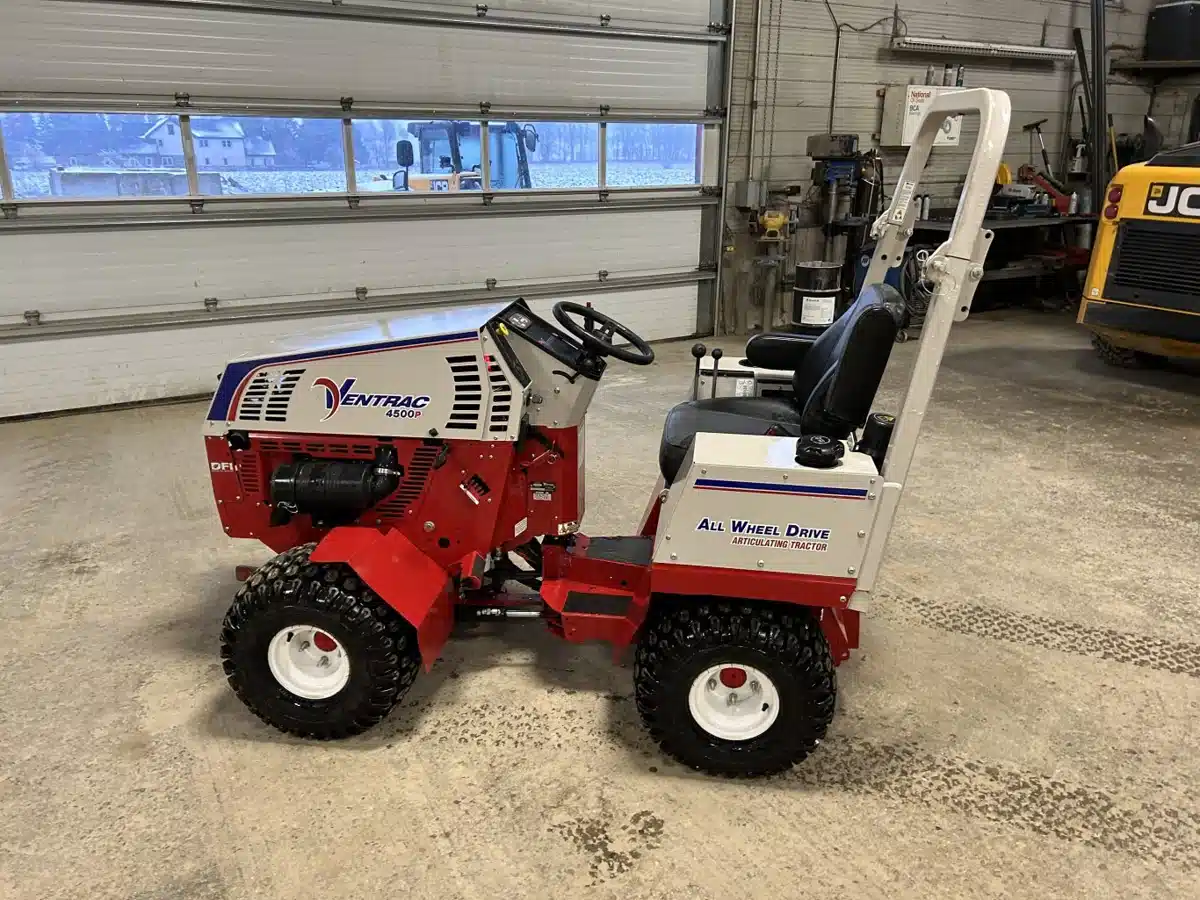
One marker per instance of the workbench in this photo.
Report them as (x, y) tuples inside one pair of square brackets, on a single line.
[(1011, 257), (1024, 248)]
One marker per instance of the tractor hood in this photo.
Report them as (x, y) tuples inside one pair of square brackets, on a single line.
[(403, 376)]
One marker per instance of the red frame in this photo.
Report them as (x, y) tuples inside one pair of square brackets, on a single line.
[(426, 543)]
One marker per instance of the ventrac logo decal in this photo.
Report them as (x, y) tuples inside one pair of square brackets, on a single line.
[(398, 406), (1174, 200)]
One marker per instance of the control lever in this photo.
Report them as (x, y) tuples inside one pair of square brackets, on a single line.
[(699, 351), (716, 355)]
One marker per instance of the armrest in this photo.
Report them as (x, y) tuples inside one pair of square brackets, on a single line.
[(782, 350)]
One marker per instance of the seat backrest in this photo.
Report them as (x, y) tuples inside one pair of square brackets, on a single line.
[(841, 372)]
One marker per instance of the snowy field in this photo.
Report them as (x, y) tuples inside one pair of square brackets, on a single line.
[(30, 185)]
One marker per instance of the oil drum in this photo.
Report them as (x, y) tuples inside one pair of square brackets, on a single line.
[(816, 298)]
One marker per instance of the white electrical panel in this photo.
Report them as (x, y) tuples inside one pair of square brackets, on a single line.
[(904, 107)]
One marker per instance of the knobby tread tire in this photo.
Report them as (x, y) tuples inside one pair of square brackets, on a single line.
[(1121, 357), (682, 640), (292, 590)]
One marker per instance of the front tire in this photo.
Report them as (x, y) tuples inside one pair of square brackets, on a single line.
[(314, 652), (735, 688)]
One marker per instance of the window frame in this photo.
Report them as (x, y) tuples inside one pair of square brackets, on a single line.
[(194, 164)]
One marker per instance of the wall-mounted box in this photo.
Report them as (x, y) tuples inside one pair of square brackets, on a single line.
[(904, 107)]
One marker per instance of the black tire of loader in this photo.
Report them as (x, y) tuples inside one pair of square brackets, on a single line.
[(290, 590), (1124, 357), (682, 640)]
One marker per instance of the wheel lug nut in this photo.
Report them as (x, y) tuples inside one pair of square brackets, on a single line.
[(304, 645), (324, 662), (754, 686), (733, 698), (712, 684)]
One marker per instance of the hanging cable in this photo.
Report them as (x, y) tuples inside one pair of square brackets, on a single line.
[(838, 28)]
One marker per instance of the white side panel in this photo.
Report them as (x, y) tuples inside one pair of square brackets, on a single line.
[(745, 503), (138, 271), (110, 48), (71, 373)]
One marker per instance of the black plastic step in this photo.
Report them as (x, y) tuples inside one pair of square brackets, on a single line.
[(635, 551)]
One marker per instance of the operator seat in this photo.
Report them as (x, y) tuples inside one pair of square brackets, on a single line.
[(833, 386)]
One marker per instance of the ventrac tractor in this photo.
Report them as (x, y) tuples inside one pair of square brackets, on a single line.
[(434, 470)]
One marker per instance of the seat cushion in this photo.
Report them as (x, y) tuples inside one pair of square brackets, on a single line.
[(722, 415)]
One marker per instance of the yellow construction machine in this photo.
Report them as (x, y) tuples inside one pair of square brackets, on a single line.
[(451, 157), (1141, 300)]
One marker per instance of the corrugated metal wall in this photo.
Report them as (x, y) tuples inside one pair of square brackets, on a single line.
[(112, 48), (127, 367), (175, 269), (125, 300), (796, 62), (793, 88)]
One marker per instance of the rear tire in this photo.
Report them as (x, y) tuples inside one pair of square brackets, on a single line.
[(680, 676), (371, 660), (1124, 357)]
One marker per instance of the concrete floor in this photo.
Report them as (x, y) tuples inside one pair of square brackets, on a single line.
[(1021, 721)]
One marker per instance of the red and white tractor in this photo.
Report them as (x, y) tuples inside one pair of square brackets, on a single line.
[(433, 470)]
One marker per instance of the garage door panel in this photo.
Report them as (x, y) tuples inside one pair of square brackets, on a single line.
[(118, 271), (131, 367), (676, 13), (110, 48)]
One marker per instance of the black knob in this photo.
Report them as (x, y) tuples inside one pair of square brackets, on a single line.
[(818, 451), (699, 350), (717, 354)]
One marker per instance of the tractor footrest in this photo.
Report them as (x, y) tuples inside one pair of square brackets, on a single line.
[(592, 612), (633, 551)]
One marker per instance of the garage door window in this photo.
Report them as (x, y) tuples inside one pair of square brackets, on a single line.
[(545, 155), (648, 155), (119, 155), (445, 153), (269, 155), (89, 155)]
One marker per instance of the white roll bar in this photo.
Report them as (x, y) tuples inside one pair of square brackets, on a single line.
[(955, 268)]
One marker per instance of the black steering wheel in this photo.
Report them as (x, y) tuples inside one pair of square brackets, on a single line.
[(600, 340)]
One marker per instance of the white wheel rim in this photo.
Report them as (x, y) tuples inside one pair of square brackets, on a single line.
[(733, 702), (308, 662)]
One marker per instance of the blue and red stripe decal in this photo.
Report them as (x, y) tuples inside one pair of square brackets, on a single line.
[(236, 374), (795, 490)]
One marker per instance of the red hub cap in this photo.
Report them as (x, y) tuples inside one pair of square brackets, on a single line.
[(326, 644), (733, 677)]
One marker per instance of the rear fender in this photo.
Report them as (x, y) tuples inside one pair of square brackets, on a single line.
[(408, 581)]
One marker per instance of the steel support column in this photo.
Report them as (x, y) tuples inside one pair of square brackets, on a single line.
[(1099, 107), (712, 220)]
